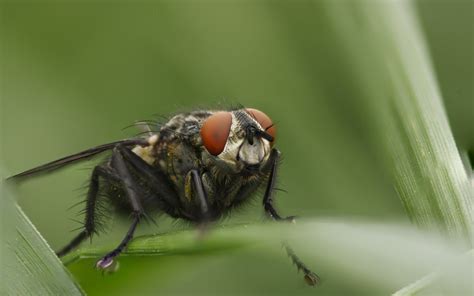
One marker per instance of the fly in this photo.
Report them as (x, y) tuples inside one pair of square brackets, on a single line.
[(197, 167)]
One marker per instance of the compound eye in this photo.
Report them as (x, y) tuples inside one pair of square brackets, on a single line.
[(263, 120), (215, 131)]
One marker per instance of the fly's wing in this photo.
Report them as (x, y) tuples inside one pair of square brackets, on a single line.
[(59, 163)]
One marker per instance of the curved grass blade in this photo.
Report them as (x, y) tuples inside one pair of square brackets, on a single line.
[(30, 267), (383, 44), (361, 255)]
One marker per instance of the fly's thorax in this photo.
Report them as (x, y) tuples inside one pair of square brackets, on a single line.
[(185, 125), (177, 158)]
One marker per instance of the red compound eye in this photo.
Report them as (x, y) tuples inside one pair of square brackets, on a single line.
[(215, 131), (264, 121)]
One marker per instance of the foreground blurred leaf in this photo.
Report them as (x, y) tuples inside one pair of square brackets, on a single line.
[(182, 242), (428, 284), (418, 287), (30, 267), (365, 258)]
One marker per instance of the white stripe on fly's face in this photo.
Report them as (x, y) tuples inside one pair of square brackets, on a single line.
[(237, 145)]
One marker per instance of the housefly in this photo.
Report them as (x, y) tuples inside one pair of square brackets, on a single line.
[(197, 166)]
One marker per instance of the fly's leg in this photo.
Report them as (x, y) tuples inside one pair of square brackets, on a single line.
[(310, 277), (123, 159), (108, 259), (119, 164), (90, 211), (203, 202), (270, 191), (156, 179), (195, 192), (201, 194)]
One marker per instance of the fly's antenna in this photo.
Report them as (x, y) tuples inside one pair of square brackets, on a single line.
[(269, 127), (264, 135), (266, 128)]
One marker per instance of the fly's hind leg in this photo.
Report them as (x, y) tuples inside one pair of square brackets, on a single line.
[(90, 211), (123, 159), (119, 165), (310, 277)]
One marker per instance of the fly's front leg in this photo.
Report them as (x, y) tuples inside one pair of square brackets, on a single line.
[(268, 198), (310, 277)]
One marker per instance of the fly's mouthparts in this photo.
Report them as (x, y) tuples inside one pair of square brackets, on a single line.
[(252, 167)]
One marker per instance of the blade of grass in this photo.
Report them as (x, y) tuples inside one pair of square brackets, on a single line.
[(30, 267), (182, 242), (349, 249), (417, 287), (414, 133), (424, 286), (382, 42)]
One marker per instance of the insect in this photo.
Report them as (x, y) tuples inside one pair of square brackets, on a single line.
[(197, 166)]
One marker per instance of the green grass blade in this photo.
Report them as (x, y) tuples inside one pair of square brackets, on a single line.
[(417, 287), (30, 267), (182, 242), (427, 285), (377, 257), (382, 43)]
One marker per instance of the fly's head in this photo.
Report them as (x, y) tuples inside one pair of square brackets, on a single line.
[(238, 141)]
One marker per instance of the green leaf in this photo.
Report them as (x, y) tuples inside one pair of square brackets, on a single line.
[(347, 254), (418, 287), (428, 285), (383, 44), (182, 242), (30, 267)]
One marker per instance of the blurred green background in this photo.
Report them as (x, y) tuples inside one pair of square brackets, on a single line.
[(73, 75)]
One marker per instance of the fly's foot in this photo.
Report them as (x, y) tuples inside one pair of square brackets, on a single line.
[(203, 230), (311, 279), (291, 219), (105, 263)]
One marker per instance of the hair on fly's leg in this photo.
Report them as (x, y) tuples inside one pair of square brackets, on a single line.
[(127, 166), (119, 165), (310, 277), (89, 226)]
